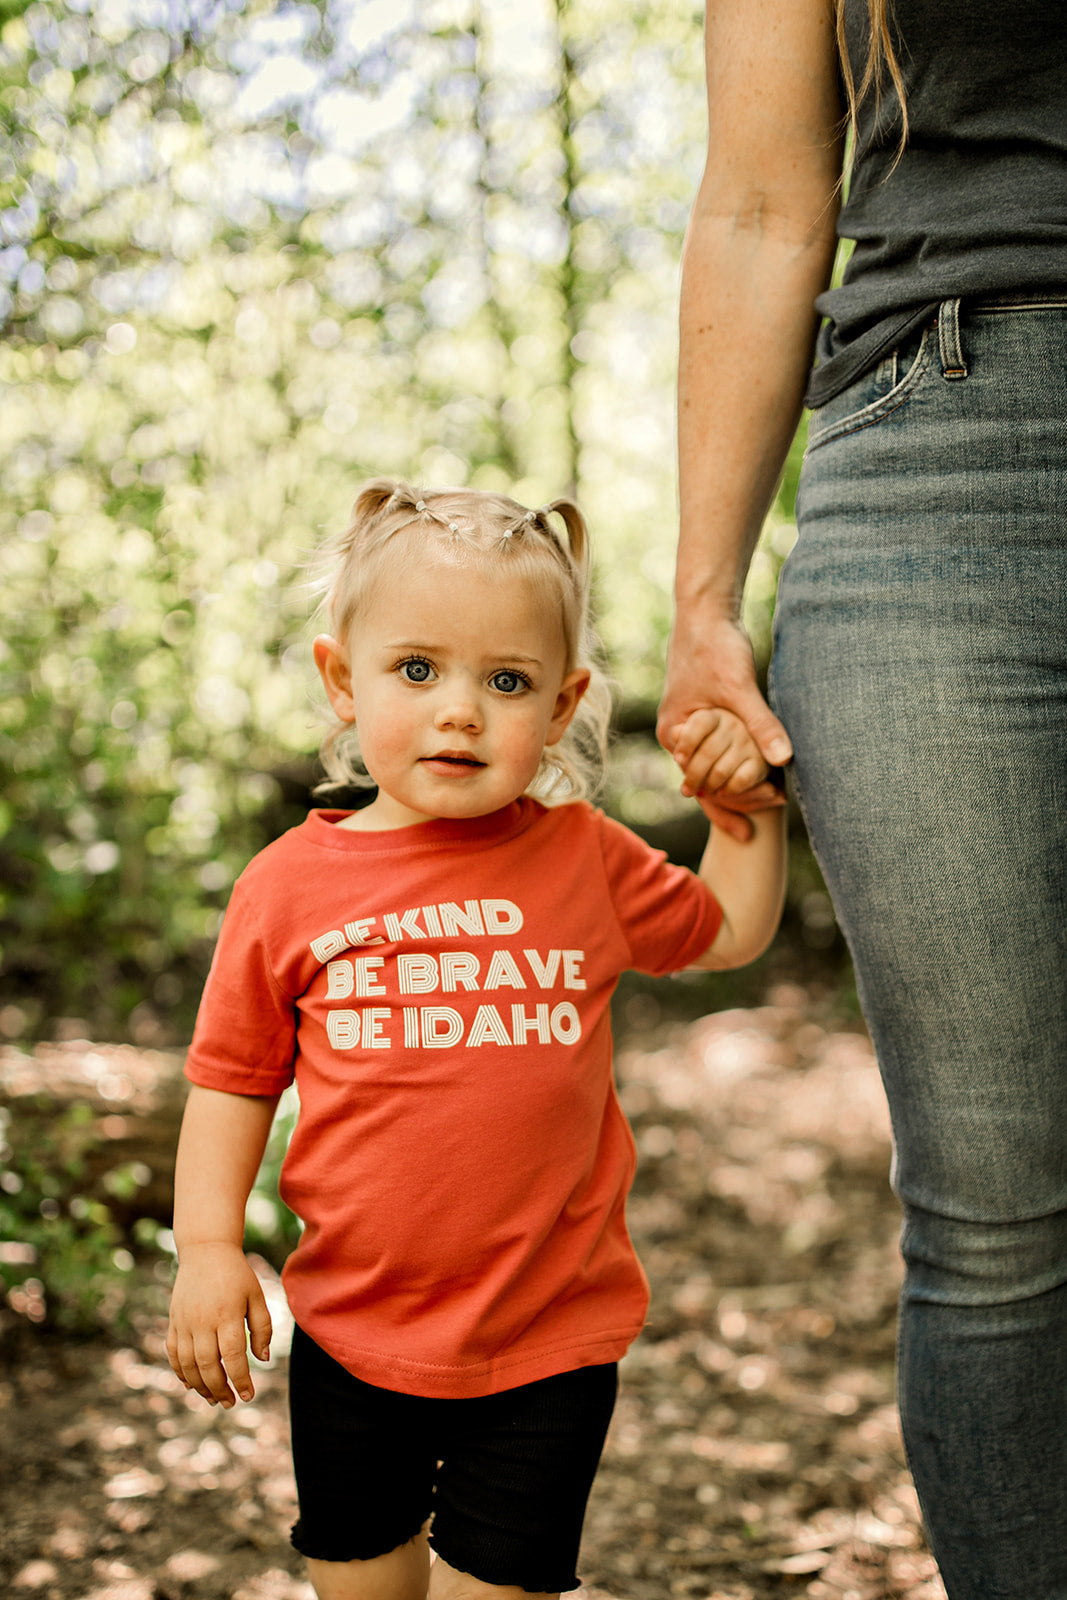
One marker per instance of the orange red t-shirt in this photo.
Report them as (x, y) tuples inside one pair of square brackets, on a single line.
[(460, 1161)]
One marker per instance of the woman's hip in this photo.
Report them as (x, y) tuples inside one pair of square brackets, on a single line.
[(921, 670)]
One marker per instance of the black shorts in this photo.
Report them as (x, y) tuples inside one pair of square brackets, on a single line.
[(505, 1476)]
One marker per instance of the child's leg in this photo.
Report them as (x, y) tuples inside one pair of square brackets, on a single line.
[(364, 1476), (401, 1574), (448, 1584), (515, 1474)]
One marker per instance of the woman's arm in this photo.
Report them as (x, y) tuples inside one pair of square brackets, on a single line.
[(216, 1292), (760, 247)]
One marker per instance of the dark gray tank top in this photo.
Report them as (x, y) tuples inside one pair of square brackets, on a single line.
[(977, 204)]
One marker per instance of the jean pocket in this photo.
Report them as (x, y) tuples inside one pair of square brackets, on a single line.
[(876, 394)]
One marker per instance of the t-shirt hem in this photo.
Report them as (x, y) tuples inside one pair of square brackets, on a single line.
[(470, 1380)]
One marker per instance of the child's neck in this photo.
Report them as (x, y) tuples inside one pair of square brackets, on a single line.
[(384, 814)]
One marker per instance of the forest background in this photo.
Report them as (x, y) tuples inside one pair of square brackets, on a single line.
[(251, 253)]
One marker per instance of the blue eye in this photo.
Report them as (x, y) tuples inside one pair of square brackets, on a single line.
[(416, 670), (508, 682)]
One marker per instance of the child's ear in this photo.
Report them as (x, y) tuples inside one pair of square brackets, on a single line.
[(571, 690), (331, 658)]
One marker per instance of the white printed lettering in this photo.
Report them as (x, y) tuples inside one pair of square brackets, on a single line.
[(406, 923), (487, 1026), (503, 972), (411, 1028), (374, 1019), (342, 1029), (501, 916), (356, 932), (544, 971), (432, 921), (441, 1027), (459, 967), (566, 1024), (330, 944), (454, 921), (417, 974), (339, 980), (521, 1024), (571, 958), (365, 968)]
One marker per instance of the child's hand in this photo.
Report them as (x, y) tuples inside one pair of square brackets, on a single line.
[(723, 768), (716, 752), (215, 1294)]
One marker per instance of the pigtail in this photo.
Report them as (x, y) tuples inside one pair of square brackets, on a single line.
[(577, 529), (375, 498)]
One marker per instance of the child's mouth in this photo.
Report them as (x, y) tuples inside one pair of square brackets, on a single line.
[(453, 763)]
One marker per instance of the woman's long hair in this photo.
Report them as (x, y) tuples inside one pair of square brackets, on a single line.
[(881, 63)]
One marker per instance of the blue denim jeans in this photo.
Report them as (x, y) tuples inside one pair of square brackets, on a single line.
[(921, 669)]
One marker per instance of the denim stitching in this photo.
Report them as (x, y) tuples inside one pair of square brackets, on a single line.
[(878, 410), (953, 365), (1049, 302)]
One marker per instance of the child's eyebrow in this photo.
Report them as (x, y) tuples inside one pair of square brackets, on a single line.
[(515, 656)]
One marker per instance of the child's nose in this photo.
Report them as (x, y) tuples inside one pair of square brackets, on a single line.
[(459, 708)]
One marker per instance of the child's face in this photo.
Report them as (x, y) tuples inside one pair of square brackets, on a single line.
[(455, 678)]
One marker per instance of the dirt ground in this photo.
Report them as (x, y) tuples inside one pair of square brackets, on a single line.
[(754, 1454)]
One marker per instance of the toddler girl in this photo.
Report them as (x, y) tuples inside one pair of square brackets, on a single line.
[(435, 971)]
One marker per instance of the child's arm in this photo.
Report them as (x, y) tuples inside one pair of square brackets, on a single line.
[(718, 755), (747, 878), (216, 1292)]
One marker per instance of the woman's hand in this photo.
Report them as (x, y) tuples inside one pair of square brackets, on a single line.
[(215, 1294), (710, 667)]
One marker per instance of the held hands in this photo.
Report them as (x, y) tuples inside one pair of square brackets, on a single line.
[(723, 769), (717, 755), (717, 725), (215, 1294)]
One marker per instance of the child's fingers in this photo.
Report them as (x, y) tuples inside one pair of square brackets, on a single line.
[(716, 752), (233, 1349), (196, 1360), (184, 1362), (696, 771), (700, 764), (713, 765), (214, 1383), (735, 823), (694, 730), (260, 1327), (751, 770)]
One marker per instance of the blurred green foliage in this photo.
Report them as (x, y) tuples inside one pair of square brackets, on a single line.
[(63, 1260), (251, 253)]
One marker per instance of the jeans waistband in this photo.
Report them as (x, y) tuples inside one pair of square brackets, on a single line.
[(1036, 300)]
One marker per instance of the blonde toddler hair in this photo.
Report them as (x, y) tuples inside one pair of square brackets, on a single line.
[(548, 547)]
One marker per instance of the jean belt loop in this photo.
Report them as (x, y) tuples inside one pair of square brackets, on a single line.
[(948, 339)]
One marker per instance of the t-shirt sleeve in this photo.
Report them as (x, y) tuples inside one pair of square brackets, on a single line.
[(666, 914), (245, 1036)]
